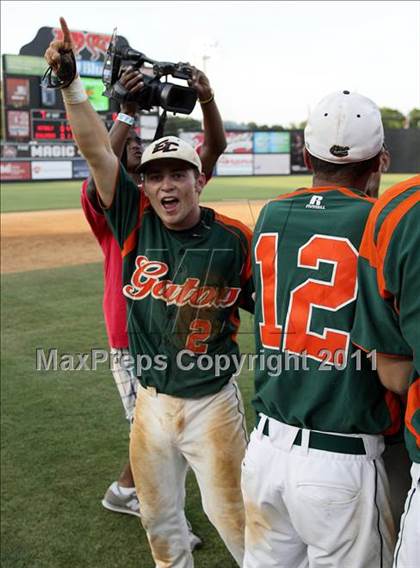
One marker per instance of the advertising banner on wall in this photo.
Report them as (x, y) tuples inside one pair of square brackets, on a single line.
[(54, 151), (11, 151), (296, 151), (51, 170), (24, 65), (239, 143), (271, 164), (94, 89), (271, 142), (80, 169), (17, 124), (193, 138), (49, 97), (90, 68), (235, 165), (36, 66), (15, 171), (17, 92)]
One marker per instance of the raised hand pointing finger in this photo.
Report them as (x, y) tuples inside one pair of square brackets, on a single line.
[(60, 57), (67, 43)]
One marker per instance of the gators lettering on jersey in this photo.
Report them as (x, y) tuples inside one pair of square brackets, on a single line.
[(388, 308), (183, 290), (304, 263)]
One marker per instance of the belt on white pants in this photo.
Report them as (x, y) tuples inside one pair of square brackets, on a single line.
[(285, 437)]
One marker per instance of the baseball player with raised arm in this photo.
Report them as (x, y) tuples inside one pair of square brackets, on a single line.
[(121, 495), (314, 484), (387, 320), (186, 271)]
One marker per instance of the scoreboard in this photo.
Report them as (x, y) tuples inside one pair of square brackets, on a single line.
[(32, 112), (43, 125), (50, 125), (36, 138)]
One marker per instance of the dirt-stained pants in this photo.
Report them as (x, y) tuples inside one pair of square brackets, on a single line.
[(209, 435), (311, 508)]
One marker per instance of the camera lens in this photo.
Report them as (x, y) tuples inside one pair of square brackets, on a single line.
[(176, 98)]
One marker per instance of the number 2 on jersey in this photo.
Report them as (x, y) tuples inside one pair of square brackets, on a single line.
[(200, 332), (331, 295)]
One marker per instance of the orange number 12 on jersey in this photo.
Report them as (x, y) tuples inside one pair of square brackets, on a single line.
[(330, 295)]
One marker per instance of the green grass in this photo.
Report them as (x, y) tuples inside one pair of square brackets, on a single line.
[(64, 438), (38, 196)]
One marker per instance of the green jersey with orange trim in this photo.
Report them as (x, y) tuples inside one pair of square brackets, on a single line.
[(388, 307), (304, 258), (183, 290)]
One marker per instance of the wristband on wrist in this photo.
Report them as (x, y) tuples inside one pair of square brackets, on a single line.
[(209, 100), (126, 118), (75, 93)]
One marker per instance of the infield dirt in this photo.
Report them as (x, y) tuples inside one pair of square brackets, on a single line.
[(50, 239)]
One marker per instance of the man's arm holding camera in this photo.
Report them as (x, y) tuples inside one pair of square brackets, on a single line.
[(88, 129), (121, 128), (214, 142)]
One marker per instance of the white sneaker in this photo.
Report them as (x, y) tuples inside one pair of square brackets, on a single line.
[(129, 504), (195, 541), (115, 501)]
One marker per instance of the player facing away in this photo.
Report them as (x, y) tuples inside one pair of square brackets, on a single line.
[(186, 271), (314, 484), (388, 320), (121, 495)]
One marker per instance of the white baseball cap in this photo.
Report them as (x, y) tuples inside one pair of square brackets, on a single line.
[(173, 148), (343, 128)]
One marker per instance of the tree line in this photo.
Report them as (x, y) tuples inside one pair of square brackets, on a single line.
[(391, 118)]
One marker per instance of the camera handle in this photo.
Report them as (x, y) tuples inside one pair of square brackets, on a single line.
[(160, 130)]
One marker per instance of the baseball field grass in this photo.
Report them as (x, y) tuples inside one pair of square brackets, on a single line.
[(38, 196), (64, 437)]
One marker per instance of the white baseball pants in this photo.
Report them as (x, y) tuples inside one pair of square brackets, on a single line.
[(314, 508), (168, 435), (407, 551)]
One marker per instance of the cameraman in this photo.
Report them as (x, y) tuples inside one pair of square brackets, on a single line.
[(121, 495)]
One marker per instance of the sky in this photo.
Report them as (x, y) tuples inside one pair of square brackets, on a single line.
[(268, 62)]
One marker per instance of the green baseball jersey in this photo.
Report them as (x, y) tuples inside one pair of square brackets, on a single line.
[(304, 260), (183, 290), (388, 307)]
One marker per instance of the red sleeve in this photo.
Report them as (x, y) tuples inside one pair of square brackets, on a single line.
[(96, 219)]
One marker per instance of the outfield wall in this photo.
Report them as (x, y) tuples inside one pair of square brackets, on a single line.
[(261, 153), (281, 153)]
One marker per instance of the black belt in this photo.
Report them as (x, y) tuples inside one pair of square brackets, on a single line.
[(327, 442)]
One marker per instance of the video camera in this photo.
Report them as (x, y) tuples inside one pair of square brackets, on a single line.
[(155, 93)]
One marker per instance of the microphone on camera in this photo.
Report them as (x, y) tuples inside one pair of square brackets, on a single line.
[(128, 52)]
